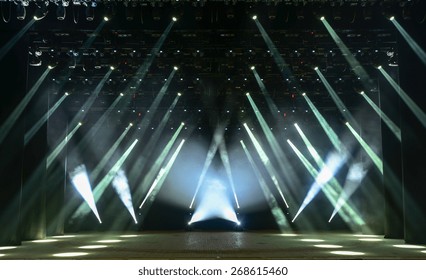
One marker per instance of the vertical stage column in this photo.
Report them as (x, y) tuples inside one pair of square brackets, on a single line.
[(34, 163), (12, 146), (413, 81), (392, 158)]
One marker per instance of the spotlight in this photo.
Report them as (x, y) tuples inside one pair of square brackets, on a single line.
[(61, 11), (80, 123), (131, 124), (247, 94), (21, 11), (121, 94), (316, 68), (51, 66), (112, 67), (252, 68), (179, 94), (41, 10), (90, 10), (67, 93), (174, 19), (303, 94), (362, 92), (254, 17), (322, 18), (346, 123), (183, 123), (379, 67), (175, 68), (106, 18), (392, 18)]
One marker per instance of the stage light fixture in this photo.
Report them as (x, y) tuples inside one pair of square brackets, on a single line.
[(41, 10), (67, 93), (391, 18), (175, 68), (121, 94), (316, 68), (112, 67), (90, 10), (322, 18), (254, 17), (303, 94), (252, 67), (21, 11), (174, 19), (61, 11), (247, 93)]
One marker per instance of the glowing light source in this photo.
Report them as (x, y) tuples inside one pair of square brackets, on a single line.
[(254, 17), (81, 183), (175, 68), (347, 253), (70, 254), (93, 247), (328, 246), (312, 240), (174, 19), (122, 188), (109, 241), (214, 203), (252, 67), (44, 241), (7, 248), (322, 18), (392, 18), (106, 18), (408, 246)]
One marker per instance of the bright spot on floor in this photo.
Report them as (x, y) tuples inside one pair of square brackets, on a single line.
[(2, 255), (408, 246), (347, 253), (288, 234), (370, 239), (423, 252), (330, 246), (129, 235), (367, 235), (70, 254), (44, 240), (110, 241), (64, 236), (93, 247), (7, 247), (312, 240)]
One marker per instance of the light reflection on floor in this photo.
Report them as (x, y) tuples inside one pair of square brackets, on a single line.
[(215, 245)]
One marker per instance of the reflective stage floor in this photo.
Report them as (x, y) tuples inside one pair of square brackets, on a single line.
[(214, 245)]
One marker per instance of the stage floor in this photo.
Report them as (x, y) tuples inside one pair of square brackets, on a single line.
[(214, 245)]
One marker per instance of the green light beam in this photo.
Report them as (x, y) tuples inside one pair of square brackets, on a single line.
[(89, 102), (374, 157), (350, 58), (106, 158), (334, 139), (155, 168), (217, 138), (272, 107), (143, 69), (282, 65), (100, 188), (30, 134), (331, 189), (60, 146), (12, 42), (411, 42), (153, 140), (342, 108), (90, 136), (276, 211), (11, 120), (281, 157), (331, 194), (154, 106), (421, 116), (161, 177), (390, 124), (265, 160), (225, 159)]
